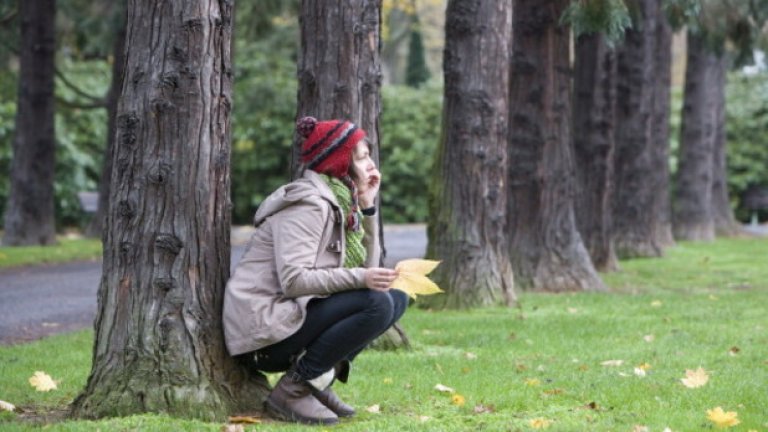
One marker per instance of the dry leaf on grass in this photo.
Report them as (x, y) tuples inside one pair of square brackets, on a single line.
[(7, 406), (412, 277), (484, 409), (612, 363), (445, 389), (540, 423), (244, 419), (232, 428), (723, 419), (695, 378), (41, 381), (458, 399), (374, 409)]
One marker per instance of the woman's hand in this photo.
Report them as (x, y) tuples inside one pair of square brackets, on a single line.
[(367, 191), (379, 278)]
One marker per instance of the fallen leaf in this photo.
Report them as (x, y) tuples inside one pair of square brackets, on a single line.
[(640, 428), (583, 368), (244, 419), (540, 423), (521, 367), (639, 372), (7, 406), (734, 350), (612, 363), (532, 382), (592, 405), (573, 310), (387, 380), (232, 428), (374, 409), (424, 418), (644, 366), (41, 381), (465, 370), (649, 338), (458, 399), (445, 389), (713, 297), (722, 419), (412, 277), (553, 392), (695, 378), (656, 303), (666, 429), (484, 409), (470, 356)]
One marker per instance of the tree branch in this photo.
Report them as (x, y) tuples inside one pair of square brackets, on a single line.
[(96, 104), (76, 89), (8, 18)]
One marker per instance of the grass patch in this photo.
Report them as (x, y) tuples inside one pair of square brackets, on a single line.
[(66, 250), (702, 305)]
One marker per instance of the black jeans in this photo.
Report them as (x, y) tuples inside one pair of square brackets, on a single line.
[(337, 328)]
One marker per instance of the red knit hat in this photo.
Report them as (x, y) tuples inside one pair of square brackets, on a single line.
[(328, 145)]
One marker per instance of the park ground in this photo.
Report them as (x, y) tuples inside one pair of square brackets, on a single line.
[(571, 362)]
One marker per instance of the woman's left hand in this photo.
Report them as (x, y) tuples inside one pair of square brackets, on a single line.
[(366, 193)]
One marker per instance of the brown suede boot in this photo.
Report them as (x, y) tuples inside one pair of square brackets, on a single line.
[(292, 400), (328, 398)]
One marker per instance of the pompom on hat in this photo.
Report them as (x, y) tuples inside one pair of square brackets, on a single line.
[(328, 145)]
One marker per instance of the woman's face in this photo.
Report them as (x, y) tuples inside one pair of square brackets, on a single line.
[(363, 168)]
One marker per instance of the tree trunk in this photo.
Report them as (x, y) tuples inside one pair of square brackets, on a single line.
[(467, 218), (662, 222), (546, 248), (159, 340), (636, 172), (593, 141), (722, 212), (29, 213), (693, 218), (96, 226), (340, 74)]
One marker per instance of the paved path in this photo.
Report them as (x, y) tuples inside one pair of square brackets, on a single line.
[(42, 300)]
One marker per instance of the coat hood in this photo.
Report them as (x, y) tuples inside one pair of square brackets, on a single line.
[(308, 186)]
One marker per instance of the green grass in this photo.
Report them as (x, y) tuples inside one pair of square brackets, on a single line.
[(700, 303), (66, 250)]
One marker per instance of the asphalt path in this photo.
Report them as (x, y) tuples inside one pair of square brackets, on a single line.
[(38, 301)]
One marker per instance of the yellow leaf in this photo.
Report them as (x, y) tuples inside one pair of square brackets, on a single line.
[(532, 382), (722, 419), (656, 303), (244, 419), (442, 388), (457, 399), (540, 423), (695, 378), (387, 380), (41, 381), (412, 277), (644, 366), (374, 409)]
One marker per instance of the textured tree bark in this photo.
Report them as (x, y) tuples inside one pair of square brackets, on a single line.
[(469, 196), (159, 340), (635, 164), (693, 216), (593, 140), (29, 213), (546, 248), (96, 226), (340, 75), (662, 222), (722, 212)]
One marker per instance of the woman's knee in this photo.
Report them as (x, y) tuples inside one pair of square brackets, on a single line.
[(381, 305)]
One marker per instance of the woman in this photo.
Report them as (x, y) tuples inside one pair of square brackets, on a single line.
[(308, 295)]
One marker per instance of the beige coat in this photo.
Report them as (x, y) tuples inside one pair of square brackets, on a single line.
[(296, 254)]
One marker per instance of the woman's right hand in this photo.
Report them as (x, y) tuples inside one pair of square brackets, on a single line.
[(379, 278)]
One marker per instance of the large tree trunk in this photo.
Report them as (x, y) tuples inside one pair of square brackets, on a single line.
[(546, 248), (29, 213), (693, 218), (467, 212), (159, 341), (594, 94), (96, 226), (635, 164), (662, 222), (340, 77), (722, 212)]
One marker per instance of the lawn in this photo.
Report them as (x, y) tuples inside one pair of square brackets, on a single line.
[(66, 249), (572, 362)]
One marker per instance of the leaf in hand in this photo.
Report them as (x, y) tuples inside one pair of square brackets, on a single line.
[(41, 381), (412, 277), (695, 378)]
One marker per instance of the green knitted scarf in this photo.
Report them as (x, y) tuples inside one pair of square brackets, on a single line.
[(355, 251)]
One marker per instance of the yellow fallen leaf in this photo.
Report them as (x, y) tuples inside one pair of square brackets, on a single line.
[(695, 378), (412, 277), (640, 428), (649, 338), (639, 372), (457, 399), (442, 388), (656, 303), (612, 363), (387, 380), (244, 419), (722, 419), (540, 423), (374, 409), (470, 356), (644, 366), (41, 381), (7, 406), (532, 382)]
